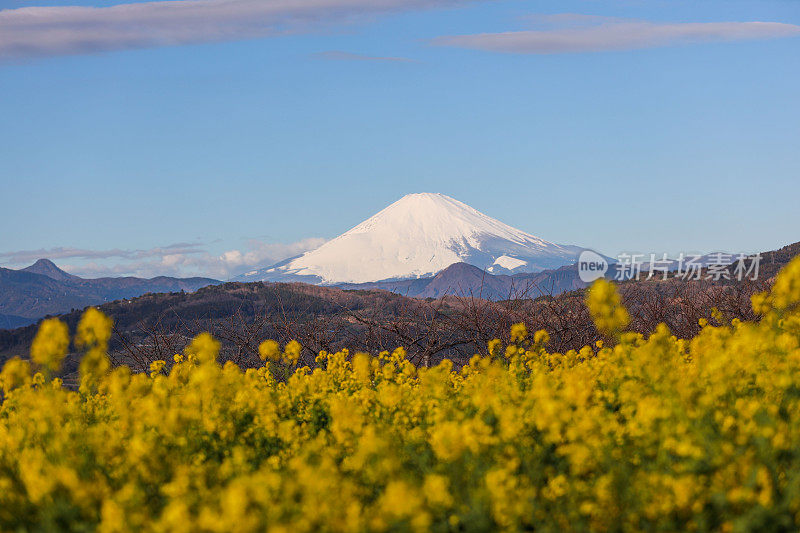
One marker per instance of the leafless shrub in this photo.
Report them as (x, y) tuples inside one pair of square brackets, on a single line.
[(455, 326)]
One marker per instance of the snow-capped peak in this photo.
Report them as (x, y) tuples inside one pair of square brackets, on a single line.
[(417, 236), (437, 218)]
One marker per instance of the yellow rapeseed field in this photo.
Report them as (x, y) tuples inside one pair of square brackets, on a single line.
[(640, 433)]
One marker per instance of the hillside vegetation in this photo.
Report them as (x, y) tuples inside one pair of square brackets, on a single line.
[(630, 433)]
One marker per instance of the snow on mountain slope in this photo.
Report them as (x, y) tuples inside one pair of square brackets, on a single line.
[(509, 263), (418, 236)]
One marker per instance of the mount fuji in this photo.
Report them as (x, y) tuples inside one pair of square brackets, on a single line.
[(416, 237)]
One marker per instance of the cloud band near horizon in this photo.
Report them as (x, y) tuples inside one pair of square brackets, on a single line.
[(617, 34), (179, 259), (36, 31)]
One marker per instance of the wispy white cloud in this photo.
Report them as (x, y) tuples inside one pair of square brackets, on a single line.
[(179, 259), (22, 257), (62, 30), (571, 33), (337, 55)]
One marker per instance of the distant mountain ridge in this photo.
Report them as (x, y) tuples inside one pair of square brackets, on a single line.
[(417, 237), (47, 268), (44, 289), (465, 280)]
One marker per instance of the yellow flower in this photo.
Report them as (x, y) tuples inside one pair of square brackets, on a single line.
[(494, 347), (16, 373), (606, 309), (291, 352), (362, 366), (541, 338), (203, 349), (156, 367), (760, 302), (519, 332), (94, 330), (785, 294), (269, 350), (400, 501), (50, 344), (436, 491)]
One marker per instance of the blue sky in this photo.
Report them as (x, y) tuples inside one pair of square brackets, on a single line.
[(651, 126)]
